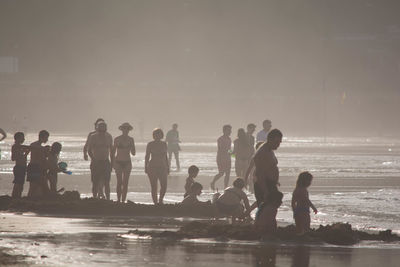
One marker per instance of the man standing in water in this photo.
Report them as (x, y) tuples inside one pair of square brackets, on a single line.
[(263, 134), (266, 164), (224, 144), (100, 151), (172, 140)]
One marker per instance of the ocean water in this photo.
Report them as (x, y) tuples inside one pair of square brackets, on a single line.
[(357, 180)]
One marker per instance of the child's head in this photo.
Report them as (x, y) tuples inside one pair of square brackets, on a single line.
[(158, 134), (239, 183), (56, 148), (304, 179), (196, 189), (193, 171), (44, 136), (227, 129), (19, 137)]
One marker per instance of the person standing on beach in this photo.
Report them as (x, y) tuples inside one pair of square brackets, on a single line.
[(100, 151), (263, 134), (266, 164), (156, 165), (124, 147), (224, 144), (172, 140), (19, 153), (251, 128), (243, 152)]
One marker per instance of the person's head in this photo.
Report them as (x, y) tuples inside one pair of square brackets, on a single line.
[(102, 127), (241, 134), (267, 125), (259, 144), (175, 126), (158, 134), (275, 198), (239, 183), (97, 122), (251, 127), (304, 179), (125, 128), (56, 148), (196, 189), (43, 136), (274, 139), (193, 171), (227, 130), (19, 137)]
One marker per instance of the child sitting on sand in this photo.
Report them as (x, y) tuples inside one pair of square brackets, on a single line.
[(192, 171), (191, 198), (301, 203), (266, 215), (52, 166), (230, 202), (19, 154)]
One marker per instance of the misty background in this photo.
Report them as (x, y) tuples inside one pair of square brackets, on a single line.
[(313, 67)]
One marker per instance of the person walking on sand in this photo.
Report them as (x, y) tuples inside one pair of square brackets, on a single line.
[(172, 139), (156, 165), (100, 151), (124, 147), (243, 152), (263, 134), (224, 144)]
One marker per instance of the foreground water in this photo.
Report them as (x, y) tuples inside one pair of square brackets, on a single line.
[(356, 181)]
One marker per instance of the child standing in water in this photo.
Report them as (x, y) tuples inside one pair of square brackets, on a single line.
[(193, 171), (301, 203), (52, 166), (19, 154), (223, 156)]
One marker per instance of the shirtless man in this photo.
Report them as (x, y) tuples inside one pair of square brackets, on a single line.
[(36, 170), (100, 151), (263, 134), (224, 144), (266, 164), (85, 148)]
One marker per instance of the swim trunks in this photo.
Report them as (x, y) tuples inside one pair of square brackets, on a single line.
[(19, 174), (34, 172), (101, 170)]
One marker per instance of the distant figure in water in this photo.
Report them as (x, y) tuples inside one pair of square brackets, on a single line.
[(19, 153), (3, 133), (231, 202), (266, 215), (262, 135), (193, 171), (191, 198), (301, 203), (100, 151), (52, 166), (266, 164), (156, 165), (243, 152), (124, 147), (173, 141), (36, 170), (223, 156)]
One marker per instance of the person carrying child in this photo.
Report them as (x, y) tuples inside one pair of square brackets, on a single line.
[(230, 203), (193, 171), (301, 203), (191, 198), (19, 153)]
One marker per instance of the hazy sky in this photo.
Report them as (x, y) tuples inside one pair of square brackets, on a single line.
[(202, 64)]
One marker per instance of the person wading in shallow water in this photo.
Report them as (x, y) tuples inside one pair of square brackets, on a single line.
[(223, 156), (156, 165), (124, 147), (172, 140), (100, 151)]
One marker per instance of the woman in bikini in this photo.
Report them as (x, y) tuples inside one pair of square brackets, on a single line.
[(124, 145)]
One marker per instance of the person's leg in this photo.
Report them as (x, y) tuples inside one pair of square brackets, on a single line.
[(107, 189), (237, 168), (14, 193), (153, 184), (125, 180), (53, 184), (216, 178), (169, 158), (163, 185), (30, 190), (300, 221), (307, 222), (176, 154), (227, 175), (118, 173)]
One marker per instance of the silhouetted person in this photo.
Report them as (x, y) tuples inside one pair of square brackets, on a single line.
[(156, 165), (193, 171), (52, 166), (251, 128), (36, 170), (19, 153), (172, 139), (243, 152), (3, 133), (301, 203), (224, 144), (191, 199), (266, 164), (124, 147), (100, 151), (263, 134)]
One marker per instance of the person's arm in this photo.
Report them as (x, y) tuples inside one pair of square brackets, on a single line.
[(294, 201), (13, 152), (133, 148), (89, 147), (312, 205), (111, 148), (147, 157), (85, 148), (3, 133)]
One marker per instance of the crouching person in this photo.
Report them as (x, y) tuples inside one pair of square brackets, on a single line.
[(265, 221), (234, 202)]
